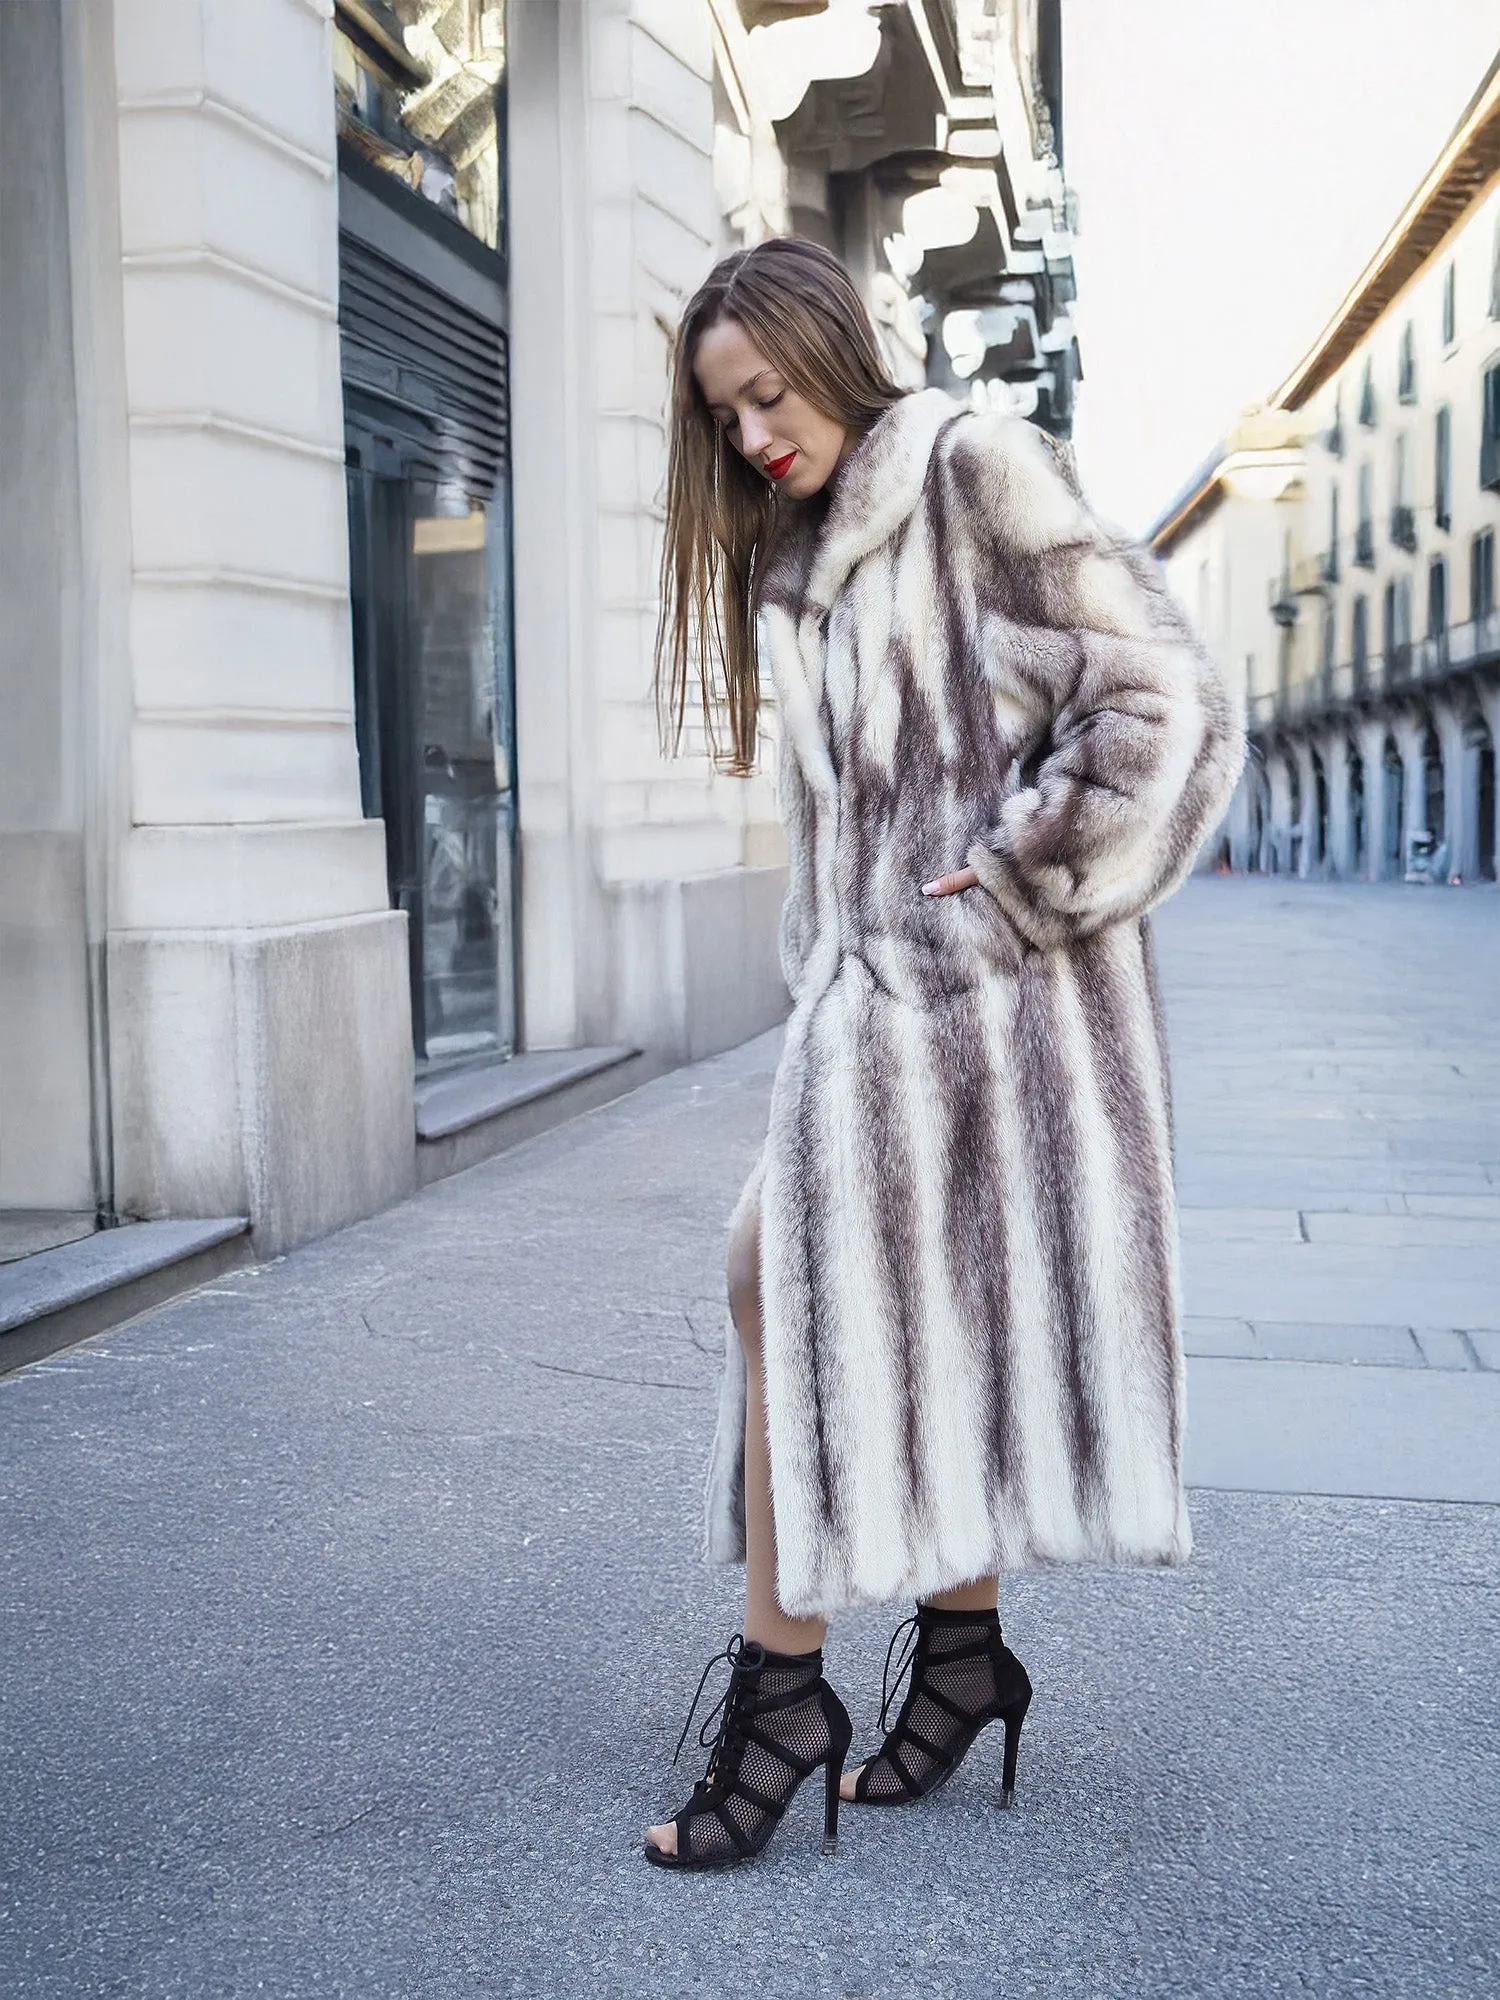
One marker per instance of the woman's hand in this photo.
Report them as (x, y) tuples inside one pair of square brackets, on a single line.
[(951, 885)]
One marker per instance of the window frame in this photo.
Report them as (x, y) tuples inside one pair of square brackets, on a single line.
[(1359, 638), (1333, 437), (1364, 526), (1437, 594), (1406, 364), (1489, 425), (1368, 414), (1481, 575), (1329, 642)]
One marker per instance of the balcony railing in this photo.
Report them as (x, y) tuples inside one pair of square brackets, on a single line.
[(1308, 576), (1283, 600), (1429, 660), (1404, 668), (1364, 544), (1404, 527), (1396, 665)]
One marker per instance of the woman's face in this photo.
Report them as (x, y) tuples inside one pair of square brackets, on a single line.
[(796, 447)]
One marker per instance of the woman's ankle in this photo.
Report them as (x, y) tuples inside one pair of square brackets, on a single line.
[(791, 1636), (979, 1596)]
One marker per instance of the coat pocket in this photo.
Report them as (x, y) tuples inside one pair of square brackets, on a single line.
[(987, 930)]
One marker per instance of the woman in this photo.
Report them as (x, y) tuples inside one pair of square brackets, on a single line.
[(952, 1275)]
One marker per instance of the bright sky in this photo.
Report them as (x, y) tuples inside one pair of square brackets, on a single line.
[(1236, 161)]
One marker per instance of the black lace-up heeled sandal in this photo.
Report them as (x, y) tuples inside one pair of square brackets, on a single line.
[(963, 1677), (778, 1721)]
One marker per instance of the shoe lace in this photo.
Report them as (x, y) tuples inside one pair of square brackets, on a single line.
[(742, 1660), (910, 1632)]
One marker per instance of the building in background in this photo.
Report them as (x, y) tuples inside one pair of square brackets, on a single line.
[(1224, 534), (1340, 551), (335, 834)]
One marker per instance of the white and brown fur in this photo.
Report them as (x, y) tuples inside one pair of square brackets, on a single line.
[(968, 1233)]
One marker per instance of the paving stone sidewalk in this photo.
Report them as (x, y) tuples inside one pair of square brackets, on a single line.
[(348, 1610)]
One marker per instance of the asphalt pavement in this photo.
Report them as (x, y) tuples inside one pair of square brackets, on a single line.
[(349, 1608)]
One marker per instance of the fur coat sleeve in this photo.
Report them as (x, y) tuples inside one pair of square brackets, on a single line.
[(1135, 746)]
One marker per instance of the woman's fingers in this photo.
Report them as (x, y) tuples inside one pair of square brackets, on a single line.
[(949, 885)]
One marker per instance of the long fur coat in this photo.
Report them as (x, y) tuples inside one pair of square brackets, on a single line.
[(968, 1234)]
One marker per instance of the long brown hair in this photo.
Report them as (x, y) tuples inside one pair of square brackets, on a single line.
[(798, 304)]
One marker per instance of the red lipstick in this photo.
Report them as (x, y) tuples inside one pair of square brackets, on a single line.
[(778, 468)]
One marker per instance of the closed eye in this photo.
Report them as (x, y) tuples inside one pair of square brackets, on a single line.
[(732, 422)]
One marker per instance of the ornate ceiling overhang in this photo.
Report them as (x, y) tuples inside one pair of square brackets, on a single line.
[(767, 13), (908, 138)]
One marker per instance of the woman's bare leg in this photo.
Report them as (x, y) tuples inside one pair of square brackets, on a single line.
[(980, 1595), (764, 1621), (764, 1618), (983, 1594)]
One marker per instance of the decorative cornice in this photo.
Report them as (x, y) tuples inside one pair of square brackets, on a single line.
[(729, 45), (1211, 483), (199, 258), (210, 104), (1459, 176), (949, 89), (222, 577), (767, 13), (246, 718), (653, 115), (215, 423)]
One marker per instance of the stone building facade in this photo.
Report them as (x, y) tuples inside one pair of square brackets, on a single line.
[(332, 359), (1341, 549)]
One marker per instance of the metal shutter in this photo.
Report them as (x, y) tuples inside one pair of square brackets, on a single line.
[(439, 368)]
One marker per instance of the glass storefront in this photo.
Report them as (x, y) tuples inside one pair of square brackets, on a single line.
[(421, 95), (433, 691), (423, 317)]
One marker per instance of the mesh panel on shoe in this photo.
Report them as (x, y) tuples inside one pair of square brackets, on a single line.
[(743, 1773), (903, 1768)]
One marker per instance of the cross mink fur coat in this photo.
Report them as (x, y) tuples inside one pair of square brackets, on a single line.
[(968, 1234)]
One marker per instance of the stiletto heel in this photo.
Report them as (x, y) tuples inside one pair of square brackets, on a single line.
[(840, 1736), (779, 1721), (1014, 1716), (963, 1677), (833, 1773)]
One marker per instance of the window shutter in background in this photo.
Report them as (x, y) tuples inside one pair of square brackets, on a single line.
[(439, 366)]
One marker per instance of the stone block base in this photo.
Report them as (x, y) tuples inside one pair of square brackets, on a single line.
[(698, 962), (265, 1073)]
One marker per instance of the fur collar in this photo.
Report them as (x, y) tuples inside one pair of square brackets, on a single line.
[(815, 545), (877, 490), (877, 493)]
